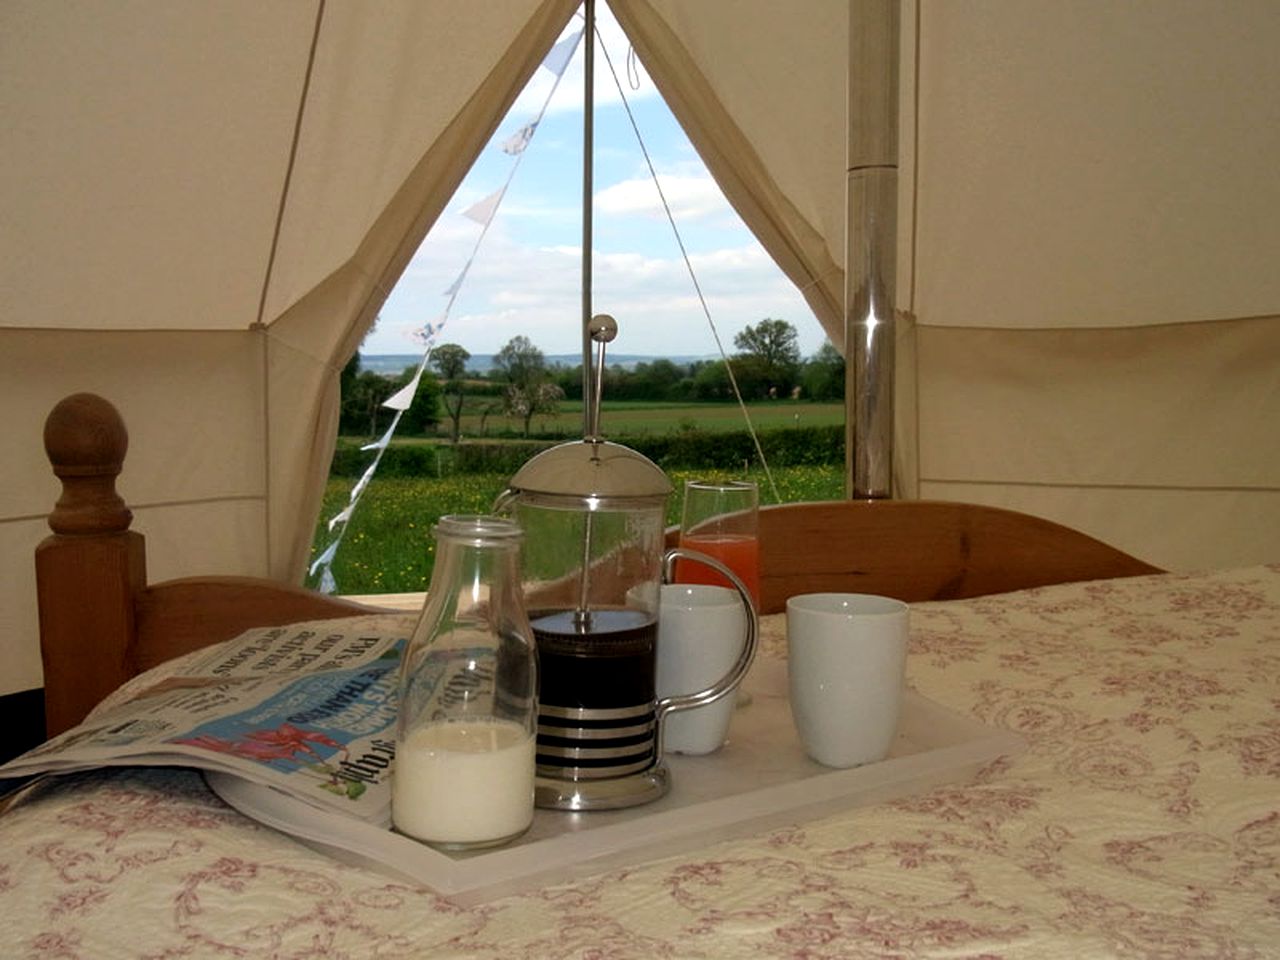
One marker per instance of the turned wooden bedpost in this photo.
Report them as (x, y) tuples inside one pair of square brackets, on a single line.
[(90, 570)]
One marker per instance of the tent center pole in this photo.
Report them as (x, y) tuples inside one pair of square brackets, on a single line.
[(588, 158)]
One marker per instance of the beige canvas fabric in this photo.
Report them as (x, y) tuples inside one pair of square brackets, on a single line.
[(1079, 168), (1095, 224), (204, 207), (1158, 439)]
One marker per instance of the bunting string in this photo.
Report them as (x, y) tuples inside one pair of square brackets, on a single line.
[(482, 212)]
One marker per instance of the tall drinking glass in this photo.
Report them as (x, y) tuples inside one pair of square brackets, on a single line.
[(721, 520)]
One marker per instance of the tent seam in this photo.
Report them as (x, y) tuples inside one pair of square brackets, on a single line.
[(1163, 325), (270, 269), (292, 161), (158, 504)]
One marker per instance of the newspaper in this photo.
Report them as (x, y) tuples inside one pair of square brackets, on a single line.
[(300, 709)]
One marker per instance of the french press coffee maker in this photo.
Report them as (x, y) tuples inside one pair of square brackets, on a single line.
[(593, 514)]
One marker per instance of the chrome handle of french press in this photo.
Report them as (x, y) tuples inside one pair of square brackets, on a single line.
[(602, 329), (687, 701)]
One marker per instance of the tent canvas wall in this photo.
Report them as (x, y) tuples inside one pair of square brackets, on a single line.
[(204, 206)]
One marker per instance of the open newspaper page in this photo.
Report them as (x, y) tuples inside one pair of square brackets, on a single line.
[(304, 710)]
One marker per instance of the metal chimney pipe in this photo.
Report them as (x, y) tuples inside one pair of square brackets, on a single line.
[(871, 240)]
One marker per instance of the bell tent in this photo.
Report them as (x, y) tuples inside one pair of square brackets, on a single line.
[(205, 206)]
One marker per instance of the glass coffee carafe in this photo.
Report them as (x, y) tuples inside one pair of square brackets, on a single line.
[(593, 515)]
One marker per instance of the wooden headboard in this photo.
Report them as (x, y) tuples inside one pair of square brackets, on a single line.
[(919, 550), (101, 622)]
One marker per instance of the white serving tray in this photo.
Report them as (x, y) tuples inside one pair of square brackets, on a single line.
[(761, 779)]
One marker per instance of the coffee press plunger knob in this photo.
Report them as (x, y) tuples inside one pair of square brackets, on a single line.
[(602, 328)]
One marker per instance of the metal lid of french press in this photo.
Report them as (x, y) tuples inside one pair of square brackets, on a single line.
[(593, 467)]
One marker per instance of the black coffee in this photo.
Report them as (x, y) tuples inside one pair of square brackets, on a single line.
[(609, 665)]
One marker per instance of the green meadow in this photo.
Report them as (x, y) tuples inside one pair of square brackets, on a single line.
[(624, 418), (387, 546)]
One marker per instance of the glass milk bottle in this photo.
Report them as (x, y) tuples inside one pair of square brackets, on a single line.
[(464, 769)]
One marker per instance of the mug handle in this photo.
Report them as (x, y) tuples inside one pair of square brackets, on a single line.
[(727, 683)]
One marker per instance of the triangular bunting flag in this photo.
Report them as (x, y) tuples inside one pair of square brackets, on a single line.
[(341, 517), (363, 482), (516, 143), (483, 211), (402, 399), (325, 557), (426, 334), (384, 440), (559, 56)]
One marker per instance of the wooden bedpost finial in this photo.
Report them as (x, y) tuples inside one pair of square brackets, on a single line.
[(86, 440)]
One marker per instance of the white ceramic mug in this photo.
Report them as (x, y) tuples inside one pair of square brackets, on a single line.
[(846, 662), (701, 633)]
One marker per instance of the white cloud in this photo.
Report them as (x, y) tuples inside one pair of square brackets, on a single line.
[(526, 277), (689, 197), (513, 288)]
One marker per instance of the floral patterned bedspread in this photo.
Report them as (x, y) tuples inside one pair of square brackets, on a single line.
[(1142, 821)]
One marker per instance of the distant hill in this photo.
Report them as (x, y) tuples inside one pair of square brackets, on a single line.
[(392, 363)]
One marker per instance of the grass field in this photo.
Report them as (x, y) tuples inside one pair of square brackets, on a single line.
[(388, 548), (625, 417)]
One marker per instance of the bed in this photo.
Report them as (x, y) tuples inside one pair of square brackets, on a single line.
[(92, 580), (1141, 820)]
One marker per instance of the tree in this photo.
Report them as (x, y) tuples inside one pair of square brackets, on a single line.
[(569, 379), (486, 411), (525, 401), (754, 377), (528, 390), (519, 361), (823, 374), (711, 381), (773, 351), (362, 400), (422, 414), (656, 380), (451, 362), (364, 392)]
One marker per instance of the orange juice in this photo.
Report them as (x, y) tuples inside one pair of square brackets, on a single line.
[(739, 553)]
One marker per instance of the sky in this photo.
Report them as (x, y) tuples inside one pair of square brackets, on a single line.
[(526, 273)]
